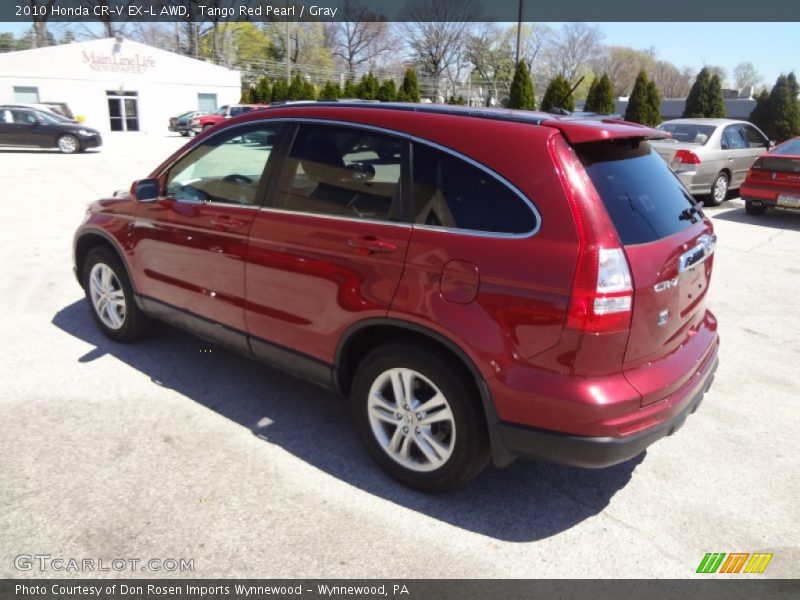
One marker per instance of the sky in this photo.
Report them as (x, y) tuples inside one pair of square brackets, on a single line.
[(773, 48)]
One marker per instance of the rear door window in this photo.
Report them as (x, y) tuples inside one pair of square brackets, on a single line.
[(450, 192), (644, 198)]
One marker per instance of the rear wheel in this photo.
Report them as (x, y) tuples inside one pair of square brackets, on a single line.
[(719, 190), (754, 208), (68, 144), (110, 297), (184, 133), (420, 417)]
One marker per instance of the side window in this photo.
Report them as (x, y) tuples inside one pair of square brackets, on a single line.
[(5, 116), (733, 138), (450, 192), (754, 137), (22, 118), (344, 172), (225, 168)]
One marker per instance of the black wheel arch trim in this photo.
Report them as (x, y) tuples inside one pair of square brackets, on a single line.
[(94, 231), (501, 456)]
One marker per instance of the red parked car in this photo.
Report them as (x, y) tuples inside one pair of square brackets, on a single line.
[(202, 122), (482, 284), (774, 179)]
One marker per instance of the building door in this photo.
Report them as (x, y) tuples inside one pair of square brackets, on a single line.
[(123, 111), (207, 102)]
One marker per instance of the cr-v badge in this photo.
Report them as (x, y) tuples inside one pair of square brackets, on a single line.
[(662, 317), (665, 285)]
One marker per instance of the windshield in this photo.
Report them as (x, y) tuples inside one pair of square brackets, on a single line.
[(221, 110), (689, 133), (645, 200), (792, 148)]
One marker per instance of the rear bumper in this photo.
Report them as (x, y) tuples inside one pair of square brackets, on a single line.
[(597, 452), (767, 195)]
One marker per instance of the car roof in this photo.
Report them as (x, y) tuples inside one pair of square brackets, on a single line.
[(575, 129)]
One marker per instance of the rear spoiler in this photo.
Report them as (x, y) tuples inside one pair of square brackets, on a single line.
[(581, 131)]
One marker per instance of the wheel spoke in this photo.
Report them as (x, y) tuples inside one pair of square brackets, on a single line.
[(445, 414), (427, 450), (380, 413), (398, 389), (438, 401), (394, 443), (405, 448)]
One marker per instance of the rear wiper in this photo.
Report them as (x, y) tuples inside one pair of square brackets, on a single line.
[(688, 214)]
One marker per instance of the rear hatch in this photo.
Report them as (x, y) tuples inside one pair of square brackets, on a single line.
[(669, 245)]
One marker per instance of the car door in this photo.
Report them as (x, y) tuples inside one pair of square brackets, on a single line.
[(27, 129), (6, 126), (329, 248), (756, 141), (737, 153), (190, 243)]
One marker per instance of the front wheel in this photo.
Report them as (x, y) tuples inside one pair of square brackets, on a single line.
[(719, 190), (419, 416), (68, 144), (110, 297)]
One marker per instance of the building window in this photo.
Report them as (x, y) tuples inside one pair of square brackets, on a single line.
[(26, 95), (207, 102)]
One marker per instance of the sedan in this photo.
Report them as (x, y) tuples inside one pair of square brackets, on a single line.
[(774, 180), (28, 127), (180, 124), (711, 156)]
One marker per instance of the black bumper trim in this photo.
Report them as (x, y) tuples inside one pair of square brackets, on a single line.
[(593, 452)]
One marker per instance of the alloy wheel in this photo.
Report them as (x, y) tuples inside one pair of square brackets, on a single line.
[(108, 298), (411, 419)]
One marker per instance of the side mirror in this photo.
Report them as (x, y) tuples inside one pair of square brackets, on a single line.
[(771, 144), (145, 190)]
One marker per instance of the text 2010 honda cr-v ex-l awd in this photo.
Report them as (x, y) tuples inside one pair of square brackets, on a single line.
[(483, 284)]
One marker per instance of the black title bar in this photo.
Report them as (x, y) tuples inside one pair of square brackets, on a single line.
[(396, 10)]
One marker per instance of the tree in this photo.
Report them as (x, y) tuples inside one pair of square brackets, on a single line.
[(558, 95), (719, 71), (716, 107), (521, 93), (7, 42), (572, 50), (672, 81), (388, 91), (409, 90), (280, 91), (591, 96), (600, 98), (491, 54), (745, 75), (360, 38), (622, 65), (697, 103), (330, 91), (309, 90), (295, 91), (653, 104), (350, 90), (262, 91), (640, 108), (778, 114), (367, 88), (435, 33), (760, 115)]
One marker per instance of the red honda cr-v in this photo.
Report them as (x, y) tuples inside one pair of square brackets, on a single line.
[(482, 284)]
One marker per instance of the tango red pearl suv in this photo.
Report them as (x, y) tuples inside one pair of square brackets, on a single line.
[(482, 284)]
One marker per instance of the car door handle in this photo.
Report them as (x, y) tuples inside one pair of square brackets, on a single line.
[(368, 245), (224, 222)]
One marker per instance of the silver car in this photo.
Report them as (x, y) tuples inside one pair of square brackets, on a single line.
[(711, 156)]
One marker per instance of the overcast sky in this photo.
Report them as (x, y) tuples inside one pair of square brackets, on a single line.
[(773, 48)]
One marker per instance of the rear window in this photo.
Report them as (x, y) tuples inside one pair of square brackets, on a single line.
[(688, 133), (791, 147), (644, 198)]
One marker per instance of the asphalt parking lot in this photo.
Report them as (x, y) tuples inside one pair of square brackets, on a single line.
[(172, 448)]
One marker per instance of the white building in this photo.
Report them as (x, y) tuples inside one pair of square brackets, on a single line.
[(117, 85)]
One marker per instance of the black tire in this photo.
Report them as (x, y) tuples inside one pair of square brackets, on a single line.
[(470, 449), (68, 144), (184, 133), (135, 324), (717, 197), (752, 208)]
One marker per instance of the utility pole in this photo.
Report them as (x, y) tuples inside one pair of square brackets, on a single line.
[(519, 28), (288, 59)]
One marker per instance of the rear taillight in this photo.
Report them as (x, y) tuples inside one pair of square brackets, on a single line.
[(686, 157), (757, 171), (601, 299)]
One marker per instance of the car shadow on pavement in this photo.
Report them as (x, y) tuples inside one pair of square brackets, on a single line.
[(776, 218), (527, 501)]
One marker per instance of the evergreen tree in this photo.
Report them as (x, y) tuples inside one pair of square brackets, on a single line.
[(280, 91), (653, 104), (558, 95), (794, 90), (410, 87), (263, 91), (639, 109), (760, 116), (605, 96), (716, 107), (367, 88), (330, 91), (350, 90), (591, 96), (697, 102), (521, 93), (783, 120), (388, 91), (247, 95), (460, 100), (309, 90), (296, 88)]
